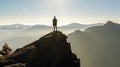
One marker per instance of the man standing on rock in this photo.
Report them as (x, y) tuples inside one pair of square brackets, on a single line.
[(55, 23)]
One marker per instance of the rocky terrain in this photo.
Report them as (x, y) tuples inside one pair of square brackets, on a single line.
[(51, 50)]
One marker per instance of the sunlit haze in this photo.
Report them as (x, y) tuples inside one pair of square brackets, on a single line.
[(67, 11)]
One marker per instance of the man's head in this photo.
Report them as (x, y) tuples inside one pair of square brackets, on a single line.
[(54, 17)]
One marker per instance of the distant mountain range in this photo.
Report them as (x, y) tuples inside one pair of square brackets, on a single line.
[(79, 26), (15, 26), (98, 46), (38, 26)]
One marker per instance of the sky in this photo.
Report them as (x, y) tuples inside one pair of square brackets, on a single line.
[(67, 11)]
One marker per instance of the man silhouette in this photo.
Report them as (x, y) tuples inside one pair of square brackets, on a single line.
[(55, 23)]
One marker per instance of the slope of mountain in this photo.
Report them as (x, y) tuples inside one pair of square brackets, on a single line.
[(98, 46), (51, 50)]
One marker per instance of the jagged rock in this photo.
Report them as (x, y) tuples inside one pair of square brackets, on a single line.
[(51, 50)]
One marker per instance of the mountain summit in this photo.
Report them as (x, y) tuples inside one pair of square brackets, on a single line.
[(51, 50)]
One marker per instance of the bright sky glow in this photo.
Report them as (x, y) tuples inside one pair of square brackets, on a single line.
[(67, 11)]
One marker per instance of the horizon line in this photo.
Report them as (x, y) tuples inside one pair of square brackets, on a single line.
[(51, 24)]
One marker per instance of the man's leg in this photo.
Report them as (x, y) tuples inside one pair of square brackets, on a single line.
[(54, 28)]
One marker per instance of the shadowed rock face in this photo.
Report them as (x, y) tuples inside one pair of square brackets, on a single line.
[(51, 50)]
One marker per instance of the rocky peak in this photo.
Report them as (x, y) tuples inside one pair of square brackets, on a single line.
[(51, 50), (110, 23), (55, 36)]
